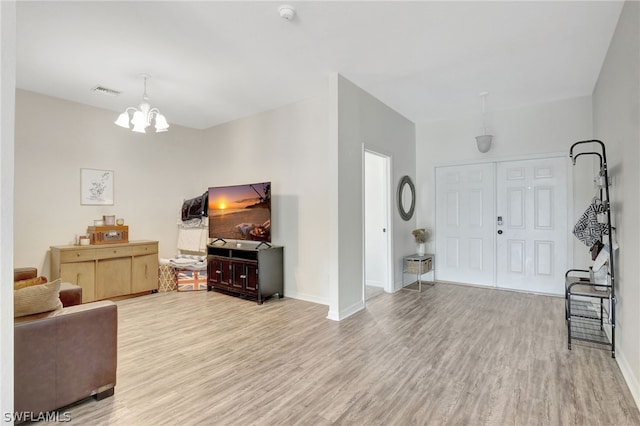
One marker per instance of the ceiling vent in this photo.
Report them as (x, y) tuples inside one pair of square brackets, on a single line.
[(105, 91)]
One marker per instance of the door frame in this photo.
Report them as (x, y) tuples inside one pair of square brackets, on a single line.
[(496, 160), (389, 279)]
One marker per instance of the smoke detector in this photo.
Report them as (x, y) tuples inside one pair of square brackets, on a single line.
[(287, 12)]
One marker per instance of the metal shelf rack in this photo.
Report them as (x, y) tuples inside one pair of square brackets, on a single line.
[(590, 311)]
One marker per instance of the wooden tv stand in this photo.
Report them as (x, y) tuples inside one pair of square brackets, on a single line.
[(246, 271)]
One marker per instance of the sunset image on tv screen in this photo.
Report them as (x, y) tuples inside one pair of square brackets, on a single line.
[(241, 212)]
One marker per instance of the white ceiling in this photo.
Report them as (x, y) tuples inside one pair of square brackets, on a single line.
[(213, 62)]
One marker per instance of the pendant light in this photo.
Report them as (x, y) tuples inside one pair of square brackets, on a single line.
[(484, 141), (143, 115)]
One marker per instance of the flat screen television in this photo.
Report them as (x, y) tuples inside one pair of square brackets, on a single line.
[(240, 212)]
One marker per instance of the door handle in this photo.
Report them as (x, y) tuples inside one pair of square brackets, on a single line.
[(499, 231)]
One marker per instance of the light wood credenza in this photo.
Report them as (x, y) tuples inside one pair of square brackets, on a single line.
[(107, 271)]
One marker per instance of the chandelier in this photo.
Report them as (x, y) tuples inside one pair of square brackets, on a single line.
[(143, 115)]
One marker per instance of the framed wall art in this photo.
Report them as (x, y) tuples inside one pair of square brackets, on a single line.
[(96, 187)]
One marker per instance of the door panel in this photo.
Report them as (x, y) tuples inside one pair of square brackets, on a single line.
[(113, 278), (465, 227), (532, 249), (453, 252), (544, 257), (144, 273), (251, 283), (82, 274), (515, 255), (475, 253), (515, 208)]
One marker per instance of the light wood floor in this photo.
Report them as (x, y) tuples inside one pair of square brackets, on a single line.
[(370, 292), (449, 355)]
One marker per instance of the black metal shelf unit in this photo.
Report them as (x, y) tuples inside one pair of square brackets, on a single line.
[(590, 306)]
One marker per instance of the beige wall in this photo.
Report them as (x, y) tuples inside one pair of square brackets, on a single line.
[(56, 138), (616, 117), (155, 172), (287, 146)]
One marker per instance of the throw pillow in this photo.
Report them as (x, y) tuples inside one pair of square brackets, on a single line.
[(37, 299), (17, 285)]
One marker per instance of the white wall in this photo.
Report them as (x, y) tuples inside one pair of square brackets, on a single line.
[(616, 116), (7, 109), (362, 119), (287, 146), (536, 129), (56, 138)]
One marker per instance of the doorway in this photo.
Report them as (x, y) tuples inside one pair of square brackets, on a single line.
[(377, 241), (504, 224)]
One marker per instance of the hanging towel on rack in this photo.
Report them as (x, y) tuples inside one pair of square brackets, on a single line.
[(588, 229), (193, 239)]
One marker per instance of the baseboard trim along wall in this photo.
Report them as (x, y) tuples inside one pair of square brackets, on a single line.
[(347, 312), (627, 373), (307, 297)]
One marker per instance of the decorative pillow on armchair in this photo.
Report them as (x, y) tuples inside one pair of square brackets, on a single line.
[(17, 285), (36, 299)]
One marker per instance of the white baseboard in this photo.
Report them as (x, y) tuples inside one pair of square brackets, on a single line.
[(347, 312), (308, 298), (373, 283), (333, 315), (629, 377)]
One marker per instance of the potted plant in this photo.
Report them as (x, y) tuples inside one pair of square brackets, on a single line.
[(420, 235)]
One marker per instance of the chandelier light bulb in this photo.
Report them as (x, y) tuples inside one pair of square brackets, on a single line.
[(143, 115)]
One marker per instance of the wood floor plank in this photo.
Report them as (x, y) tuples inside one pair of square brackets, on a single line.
[(450, 355)]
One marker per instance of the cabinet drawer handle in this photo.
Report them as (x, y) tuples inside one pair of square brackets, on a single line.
[(243, 276), (218, 272), (77, 254)]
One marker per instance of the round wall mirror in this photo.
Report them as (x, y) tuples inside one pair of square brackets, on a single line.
[(406, 198)]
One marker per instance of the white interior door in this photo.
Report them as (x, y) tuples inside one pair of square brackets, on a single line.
[(465, 231), (376, 220), (532, 239)]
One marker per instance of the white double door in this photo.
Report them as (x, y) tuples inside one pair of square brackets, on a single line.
[(503, 224)]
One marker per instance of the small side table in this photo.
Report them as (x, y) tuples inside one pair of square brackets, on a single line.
[(419, 265)]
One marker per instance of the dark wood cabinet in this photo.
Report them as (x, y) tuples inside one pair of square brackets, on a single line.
[(218, 271), (255, 274)]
